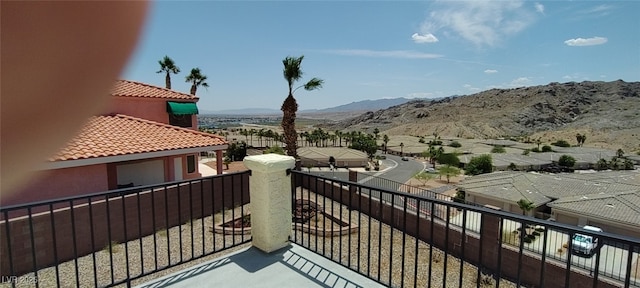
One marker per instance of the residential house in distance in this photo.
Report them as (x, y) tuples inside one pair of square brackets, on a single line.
[(149, 135), (609, 200)]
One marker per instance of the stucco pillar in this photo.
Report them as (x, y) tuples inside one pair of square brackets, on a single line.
[(270, 192), (219, 162)]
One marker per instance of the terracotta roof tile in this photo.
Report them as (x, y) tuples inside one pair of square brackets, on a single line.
[(120, 135), (128, 88)]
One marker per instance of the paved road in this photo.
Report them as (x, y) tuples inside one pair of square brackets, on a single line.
[(404, 171)]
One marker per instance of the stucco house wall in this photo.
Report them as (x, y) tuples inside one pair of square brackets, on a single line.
[(607, 226), (58, 183), (154, 109), (67, 182)]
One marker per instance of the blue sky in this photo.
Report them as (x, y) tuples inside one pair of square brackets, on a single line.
[(385, 49)]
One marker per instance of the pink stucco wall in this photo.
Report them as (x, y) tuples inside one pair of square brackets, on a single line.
[(57, 183), (154, 109)]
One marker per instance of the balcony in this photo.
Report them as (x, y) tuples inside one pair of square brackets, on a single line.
[(355, 236)]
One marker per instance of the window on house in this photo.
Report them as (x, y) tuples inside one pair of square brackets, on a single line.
[(191, 163), (180, 120), (180, 113)]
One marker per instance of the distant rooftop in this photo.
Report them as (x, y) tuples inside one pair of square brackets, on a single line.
[(128, 88), (542, 188), (621, 207), (505, 159), (508, 185), (323, 153)]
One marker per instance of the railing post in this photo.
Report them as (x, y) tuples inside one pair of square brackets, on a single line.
[(270, 194), (490, 233)]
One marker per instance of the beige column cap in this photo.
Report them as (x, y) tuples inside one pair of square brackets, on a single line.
[(269, 162)]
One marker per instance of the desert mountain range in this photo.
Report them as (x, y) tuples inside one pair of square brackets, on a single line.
[(607, 112)]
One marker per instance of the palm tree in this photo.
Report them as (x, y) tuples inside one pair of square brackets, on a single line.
[(385, 139), (376, 133), (169, 67), (293, 73), (339, 134), (251, 132), (196, 79), (245, 133), (261, 133)]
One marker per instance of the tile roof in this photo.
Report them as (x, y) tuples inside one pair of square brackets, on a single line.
[(114, 135), (623, 207), (128, 88)]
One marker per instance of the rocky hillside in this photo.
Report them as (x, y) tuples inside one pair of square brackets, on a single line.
[(608, 112)]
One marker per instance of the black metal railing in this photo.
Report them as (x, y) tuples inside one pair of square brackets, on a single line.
[(116, 237), (377, 233), (380, 182)]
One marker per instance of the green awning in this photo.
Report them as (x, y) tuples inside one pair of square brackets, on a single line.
[(178, 108)]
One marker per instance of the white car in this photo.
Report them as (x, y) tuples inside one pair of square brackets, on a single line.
[(429, 170), (585, 244)]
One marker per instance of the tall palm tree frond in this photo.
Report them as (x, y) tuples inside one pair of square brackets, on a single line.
[(196, 79), (313, 84), (292, 71), (169, 67)]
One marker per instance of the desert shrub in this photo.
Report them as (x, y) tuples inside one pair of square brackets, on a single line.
[(275, 150), (526, 152), (561, 143), (479, 165), (535, 149), (455, 144), (566, 161), (547, 148), (460, 196), (448, 159), (486, 280), (498, 149)]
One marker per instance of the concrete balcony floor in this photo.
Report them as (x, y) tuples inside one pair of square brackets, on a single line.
[(292, 266)]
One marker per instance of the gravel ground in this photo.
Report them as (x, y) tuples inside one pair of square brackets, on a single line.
[(366, 251)]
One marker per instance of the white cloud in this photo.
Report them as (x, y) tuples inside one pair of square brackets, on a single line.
[(490, 71), (405, 54), (484, 23), (539, 8), (470, 88), (586, 41), (425, 38), (521, 81), (598, 9)]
